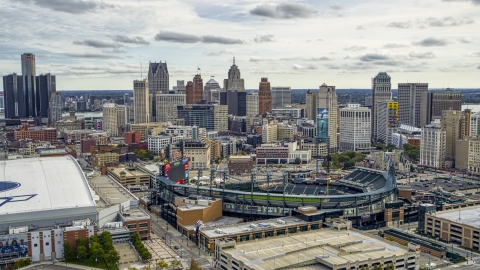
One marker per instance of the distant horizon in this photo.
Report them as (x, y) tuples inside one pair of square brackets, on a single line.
[(254, 89)]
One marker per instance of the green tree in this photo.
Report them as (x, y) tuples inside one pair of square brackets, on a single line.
[(349, 164), (145, 254), (67, 251), (391, 147), (112, 257), (162, 264), (175, 263), (82, 252), (107, 241), (96, 252), (298, 160), (93, 239)]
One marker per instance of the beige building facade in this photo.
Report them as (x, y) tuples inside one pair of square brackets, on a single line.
[(167, 106), (141, 102)]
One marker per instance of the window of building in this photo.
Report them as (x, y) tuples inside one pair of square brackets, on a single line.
[(143, 225), (132, 226)]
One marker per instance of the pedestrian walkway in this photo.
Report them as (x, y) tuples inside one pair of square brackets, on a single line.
[(127, 254)]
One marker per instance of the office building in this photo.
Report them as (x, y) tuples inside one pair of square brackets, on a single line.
[(167, 106), (158, 78), (180, 87), (198, 154), (264, 97), (280, 96), (252, 104), (409, 102), (123, 118), (385, 128), (126, 99), (2, 102), (453, 124), (31, 98), (14, 98), (209, 86), (41, 135), (46, 86), (355, 128), (269, 132), (327, 100), (194, 90), (435, 102), (311, 105), (296, 113), (209, 116), (158, 83), (236, 101), (381, 91), (467, 155), (234, 81), (432, 145), (147, 128), (141, 101), (56, 106), (474, 129), (110, 119)]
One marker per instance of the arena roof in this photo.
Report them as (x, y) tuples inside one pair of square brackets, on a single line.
[(42, 184)]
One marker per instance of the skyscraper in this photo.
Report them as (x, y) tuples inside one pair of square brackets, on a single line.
[(210, 85), (236, 101), (435, 102), (234, 82), (141, 103), (432, 145), (2, 102), (453, 124), (46, 86), (381, 91), (29, 87), (280, 96), (158, 82), (123, 118), (264, 97), (180, 88), (56, 107), (252, 104), (13, 91), (158, 78), (311, 105), (409, 102), (195, 90), (109, 123), (327, 99)]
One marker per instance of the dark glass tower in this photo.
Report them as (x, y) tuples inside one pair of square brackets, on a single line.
[(32, 98), (14, 102), (45, 87)]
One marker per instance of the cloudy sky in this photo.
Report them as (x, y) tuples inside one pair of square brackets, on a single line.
[(93, 44)]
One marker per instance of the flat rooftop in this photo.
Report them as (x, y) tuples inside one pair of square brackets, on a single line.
[(228, 229), (468, 216), (322, 248), (110, 192), (223, 221), (129, 172), (134, 213)]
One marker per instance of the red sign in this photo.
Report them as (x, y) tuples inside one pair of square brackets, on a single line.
[(186, 167)]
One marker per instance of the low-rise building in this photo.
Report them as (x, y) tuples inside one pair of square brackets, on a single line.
[(146, 129), (198, 154), (129, 176), (43, 135), (98, 158), (318, 249), (240, 164), (272, 154)]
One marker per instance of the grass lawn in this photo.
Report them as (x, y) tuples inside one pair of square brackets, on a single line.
[(90, 263)]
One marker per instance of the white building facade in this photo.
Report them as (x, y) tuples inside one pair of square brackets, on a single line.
[(432, 146), (355, 128)]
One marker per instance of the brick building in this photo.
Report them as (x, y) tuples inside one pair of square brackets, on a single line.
[(240, 164), (132, 137), (44, 135)]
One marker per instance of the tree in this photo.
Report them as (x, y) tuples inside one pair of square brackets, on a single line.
[(194, 265), (162, 264), (145, 254), (298, 160), (107, 241), (67, 251), (112, 257), (96, 252), (93, 239), (82, 252), (174, 263)]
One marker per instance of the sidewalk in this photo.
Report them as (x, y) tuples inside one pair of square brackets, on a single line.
[(58, 266)]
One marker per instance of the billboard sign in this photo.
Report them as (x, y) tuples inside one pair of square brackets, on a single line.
[(166, 168), (322, 123), (12, 243), (393, 114)]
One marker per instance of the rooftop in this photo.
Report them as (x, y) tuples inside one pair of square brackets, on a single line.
[(134, 213), (229, 229), (42, 184), (321, 248), (110, 192), (128, 172), (468, 216)]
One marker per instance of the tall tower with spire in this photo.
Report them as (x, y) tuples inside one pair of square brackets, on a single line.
[(234, 82)]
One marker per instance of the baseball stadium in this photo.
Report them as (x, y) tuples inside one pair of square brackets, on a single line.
[(365, 196)]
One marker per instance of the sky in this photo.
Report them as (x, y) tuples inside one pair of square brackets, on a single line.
[(93, 44)]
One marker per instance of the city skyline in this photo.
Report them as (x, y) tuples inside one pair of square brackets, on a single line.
[(296, 44)]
